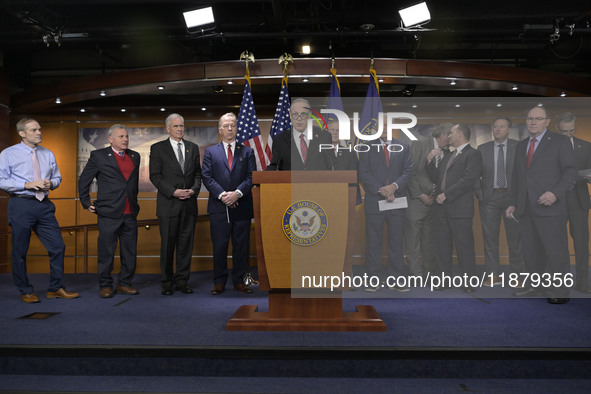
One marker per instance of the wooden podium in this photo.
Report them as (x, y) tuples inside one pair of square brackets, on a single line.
[(316, 242)]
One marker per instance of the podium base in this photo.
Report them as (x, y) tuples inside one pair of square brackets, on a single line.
[(247, 318)]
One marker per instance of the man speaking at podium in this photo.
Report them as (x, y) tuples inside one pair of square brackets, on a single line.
[(293, 150)]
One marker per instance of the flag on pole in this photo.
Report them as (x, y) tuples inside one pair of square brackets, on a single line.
[(368, 124), (334, 95), (281, 120), (249, 132)]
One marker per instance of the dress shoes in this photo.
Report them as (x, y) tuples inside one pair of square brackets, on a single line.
[(217, 289), (558, 301), (166, 291), (62, 293), (184, 289), (527, 292), (241, 287), (127, 290), (106, 292), (30, 298)]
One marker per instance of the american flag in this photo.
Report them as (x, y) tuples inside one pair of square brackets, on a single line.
[(249, 132), (281, 120)]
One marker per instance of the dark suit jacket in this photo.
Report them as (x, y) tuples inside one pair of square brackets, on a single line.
[(582, 150), (374, 174), (552, 169), (287, 157), (462, 177), (167, 176), (420, 182), (112, 186), (343, 160), (487, 179), (217, 178)]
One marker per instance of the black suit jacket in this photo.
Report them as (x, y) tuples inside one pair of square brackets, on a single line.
[(462, 176), (552, 168), (167, 176), (112, 186), (287, 157), (487, 180), (582, 150)]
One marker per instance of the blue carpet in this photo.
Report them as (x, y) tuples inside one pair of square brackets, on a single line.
[(159, 384), (199, 319)]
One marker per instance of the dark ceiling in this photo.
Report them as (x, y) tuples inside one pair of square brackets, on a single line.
[(48, 41)]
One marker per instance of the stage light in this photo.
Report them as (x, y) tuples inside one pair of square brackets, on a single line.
[(199, 17), (415, 15), (306, 49)]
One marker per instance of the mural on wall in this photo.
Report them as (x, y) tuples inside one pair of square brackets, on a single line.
[(140, 140)]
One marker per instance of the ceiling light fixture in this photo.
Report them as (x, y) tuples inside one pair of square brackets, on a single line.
[(102, 93), (199, 17), (515, 87), (58, 100), (160, 87), (203, 109), (415, 16), (162, 109), (453, 82), (563, 94), (306, 49), (123, 110), (230, 82), (82, 110), (305, 80)]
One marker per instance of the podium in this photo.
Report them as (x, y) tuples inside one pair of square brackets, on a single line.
[(304, 229)]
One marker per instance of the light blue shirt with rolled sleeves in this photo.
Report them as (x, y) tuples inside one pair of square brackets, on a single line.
[(16, 168)]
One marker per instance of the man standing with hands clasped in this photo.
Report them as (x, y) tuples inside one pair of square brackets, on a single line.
[(175, 170), (544, 171), (28, 172), (227, 174), (116, 170)]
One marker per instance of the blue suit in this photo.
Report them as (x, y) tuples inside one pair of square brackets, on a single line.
[(373, 174), (226, 222)]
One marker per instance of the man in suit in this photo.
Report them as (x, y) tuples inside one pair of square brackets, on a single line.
[(175, 170), (28, 171), (294, 150), (543, 172), (577, 201), (342, 157), (419, 220), (493, 196), (227, 174), (384, 171), (116, 170), (456, 178)]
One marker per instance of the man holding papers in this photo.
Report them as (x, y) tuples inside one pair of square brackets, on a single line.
[(384, 171), (456, 178)]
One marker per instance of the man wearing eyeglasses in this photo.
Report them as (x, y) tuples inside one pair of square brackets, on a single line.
[(577, 200), (294, 150), (543, 172)]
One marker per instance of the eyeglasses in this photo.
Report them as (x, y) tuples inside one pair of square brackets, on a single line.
[(303, 115), (536, 119), (228, 126)]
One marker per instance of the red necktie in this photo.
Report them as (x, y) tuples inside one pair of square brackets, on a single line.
[(387, 155), (530, 151), (230, 157), (303, 148)]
